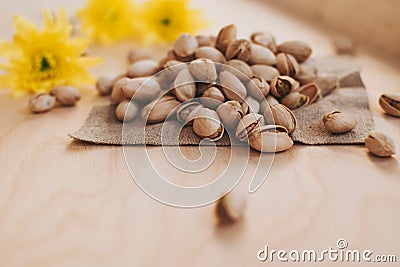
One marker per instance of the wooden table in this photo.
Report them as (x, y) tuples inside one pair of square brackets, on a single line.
[(65, 203)]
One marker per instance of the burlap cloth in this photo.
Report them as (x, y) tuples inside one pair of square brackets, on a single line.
[(101, 127)]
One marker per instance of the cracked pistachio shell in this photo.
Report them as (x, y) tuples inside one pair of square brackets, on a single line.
[(339, 122), (225, 36), (295, 100), (159, 109), (142, 89), (264, 72), (205, 40), (230, 208), (210, 53), (300, 50), (270, 138), (206, 124), (283, 85), (390, 104), (212, 97), (185, 45), (380, 144), (66, 95), (230, 114), (239, 49), (41, 103), (264, 39), (250, 105), (287, 65), (126, 110), (203, 70), (311, 90), (261, 55), (247, 124), (239, 68), (258, 88), (143, 68), (184, 111), (280, 115), (232, 87), (184, 86)]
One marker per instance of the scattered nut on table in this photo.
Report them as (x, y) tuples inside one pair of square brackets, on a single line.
[(380, 144), (390, 103), (41, 103), (230, 208), (66, 95), (339, 122)]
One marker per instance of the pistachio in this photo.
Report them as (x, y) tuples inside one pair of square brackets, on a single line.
[(66, 95), (230, 207), (327, 83), (210, 53), (280, 115), (41, 103), (311, 90), (264, 105), (264, 39), (159, 109), (203, 70), (239, 49), (126, 110), (261, 55), (185, 45), (117, 95), (205, 40), (283, 85), (225, 36), (184, 86), (270, 138), (287, 65), (295, 100), (212, 98), (250, 105), (300, 50), (240, 69), (247, 124), (206, 124), (272, 100), (105, 84), (170, 70), (137, 54), (184, 111), (267, 73), (230, 114), (232, 87), (142, 89), (143, 68), (307, 73), (258, 88), (390, 104), (339, 122), (380, 144)]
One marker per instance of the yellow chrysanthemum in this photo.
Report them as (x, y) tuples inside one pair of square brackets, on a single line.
[(40, 60), (167, 19), (110, 21)]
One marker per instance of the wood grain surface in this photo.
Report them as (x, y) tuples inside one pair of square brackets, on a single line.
[(65, 203)]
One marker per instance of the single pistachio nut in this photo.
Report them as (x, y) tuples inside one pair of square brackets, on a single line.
[(327, 83), (230, 208), (287, 65), (307, 73), (283, 85), (212, 98), (239, 68), (184, 86), (239, 49), (142, 89), (66, 95), (232, 87), (247, 124), (339, 122), (126, 110), (311, 90), (390, 104), (136, 55), (210, 53), (170, 70), (300, 50), (272, 100), (264, 39), (295, 100), (205, 40), (250, 105), (185, 45), (203, 70), (105, 83), (225, 36), (258, 88), (159, 109), (279, 114), (261, 55), (117, 95), (265, 72), (380, 144), (143, 68), (230, 114), (206, 124), (185, 110), (270, 139), (41, 103)]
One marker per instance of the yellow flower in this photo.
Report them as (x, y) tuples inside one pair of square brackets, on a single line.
[(167, 19), (109, 21), (40, 60)]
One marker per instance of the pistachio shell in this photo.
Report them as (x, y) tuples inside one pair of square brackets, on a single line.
[(185, 45), (203, 70), (270, 138), (239, 49), (280, 115), (380, 144), (300, 50), (66, 95), (258, 88), (287, 65), (143, 68), (272, 100), (205, 40), (264, 105), (247, 124), (210, 53), (230, 113), (143, 89), (264, 39), (339, 122), (232, 87), (105, 83), (311, 90), (170, 70), (230, 208), (283, 85), (295, 100), (250, 105), (160, 109), (206, 124), (267, 73), (239, 68), (185, 87), (126, 110), (390, 104), (117, 95), (225, 36), (212, 98), (41, 103), (261, 55), (185, 109)]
